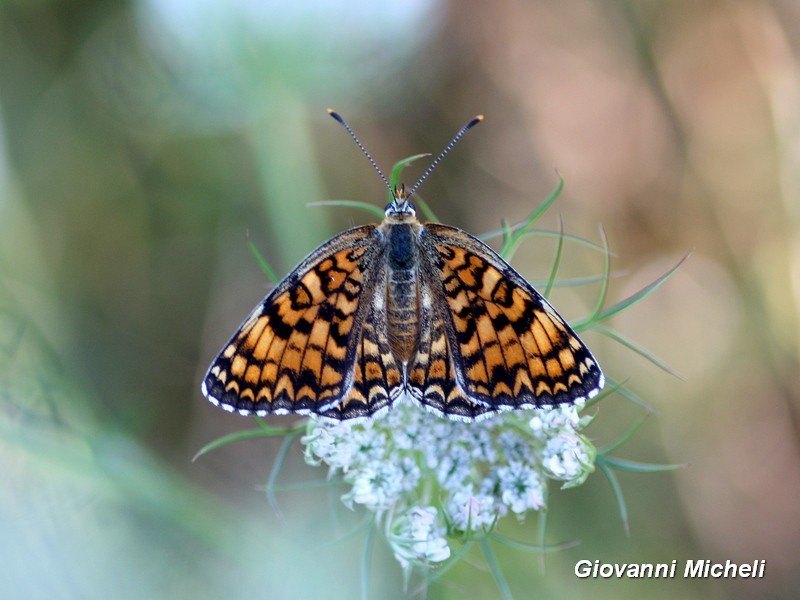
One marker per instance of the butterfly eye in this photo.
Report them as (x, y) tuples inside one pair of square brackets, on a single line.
[(400, 207), (408, 209)]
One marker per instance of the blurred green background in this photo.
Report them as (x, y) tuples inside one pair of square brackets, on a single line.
[(143, 143)]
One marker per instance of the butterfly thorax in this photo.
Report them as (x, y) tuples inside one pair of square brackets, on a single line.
[(401, 229)]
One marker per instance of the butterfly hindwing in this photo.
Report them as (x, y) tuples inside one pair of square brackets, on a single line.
[(301, 348), (433, 379), (508, 347), (377, 380)]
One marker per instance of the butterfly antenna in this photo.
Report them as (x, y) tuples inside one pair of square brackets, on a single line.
[(353, 135), (444, 153)]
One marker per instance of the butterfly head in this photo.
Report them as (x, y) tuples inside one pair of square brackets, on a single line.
[(400, 206)]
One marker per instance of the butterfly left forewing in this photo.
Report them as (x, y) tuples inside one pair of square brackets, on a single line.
[(300, 349), (509, 348)]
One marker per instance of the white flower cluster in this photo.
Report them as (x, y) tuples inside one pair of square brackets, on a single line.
[(417, 537), (433, 477)]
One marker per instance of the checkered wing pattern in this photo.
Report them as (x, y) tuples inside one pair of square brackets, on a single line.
[(493, 342), (315, 344)]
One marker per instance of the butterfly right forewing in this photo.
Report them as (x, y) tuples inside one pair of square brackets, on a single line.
[(508, 347)]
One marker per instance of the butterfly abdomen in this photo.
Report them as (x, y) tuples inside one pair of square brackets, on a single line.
[(402, 292)]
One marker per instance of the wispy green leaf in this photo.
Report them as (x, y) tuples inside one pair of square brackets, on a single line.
[(607, 391), (528, 547), (362, 526), (556, 259), (603, 291), (262, 262), (542, 529), (277, 467), (306, 485), (507, 240), (366, 563), (426, 209), (627, 393), (567, 282), (247, 434), (514, 236), (618, 337), (375, 211), (454, 559), (618, 495), (633, 299), (624, 438), (544, 233), (633, 466), (399, 166), (494, 567)]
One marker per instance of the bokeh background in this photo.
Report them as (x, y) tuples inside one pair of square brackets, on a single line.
[(143, 143)]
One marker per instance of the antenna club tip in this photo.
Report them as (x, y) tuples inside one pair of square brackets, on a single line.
[(335, 115), (475, 121)]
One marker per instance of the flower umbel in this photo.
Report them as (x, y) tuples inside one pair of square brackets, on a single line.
[(429, 476)]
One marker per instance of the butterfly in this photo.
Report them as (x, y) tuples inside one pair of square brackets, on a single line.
[(402, 310)]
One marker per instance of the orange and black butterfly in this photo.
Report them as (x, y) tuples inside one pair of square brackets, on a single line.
[(402, 310)]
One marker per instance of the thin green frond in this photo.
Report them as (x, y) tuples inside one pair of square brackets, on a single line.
[(454, 559), (624, 438), (375, 211), (277, 466), (262, 263), (366, 562), (426, 209), (508, 239), (617, 337), (607, 391), (247, 434), (542, 530), (305, 485), (544, 233), (627, 393), (397, 169), (633, 299), (633, 466), (602, 293), (556, 259), (618, 495), (360, 527), (569, 282), (491, 562), (545, 205), (512, 240), (13, 327), (527, 547)]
